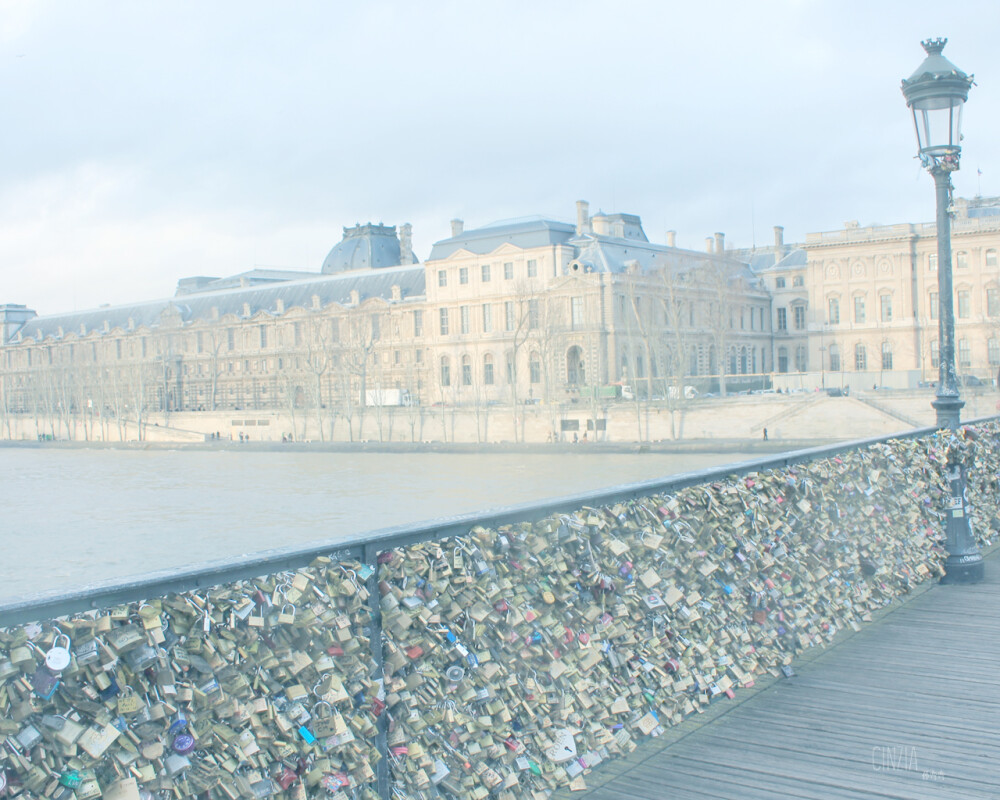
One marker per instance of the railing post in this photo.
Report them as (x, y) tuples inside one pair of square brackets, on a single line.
[(378, 673)]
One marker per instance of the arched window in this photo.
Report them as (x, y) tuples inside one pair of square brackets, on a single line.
[(991, 258), (732, 360), (834, 358), (886, 355), (801, 362), (466, 371), (935, 353), (782, 359), (535, 368), (860, 358), (488, 369), (713, 361), (693, 361), (575, 372), (445, 371), (744, 365)]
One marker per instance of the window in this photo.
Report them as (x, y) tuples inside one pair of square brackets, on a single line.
[(693, 361), (263, 337), (993, 348), (798, 280), (334, 330), (463, 275), (833, 311), (463, 318), (993, 301), (488, 369), (231, 339), (576, 312), (376, 322), (508, 270), (964, 354), (533, 315), (418, 322), (535, 368), (964, 304), (779, 283), (691, 315), (487, 318), (860, 358), (800, 318), (508, 313), (118, 351), (886, 355), (991, 258), (932, 262), (935, 354), (444, 321), (297, 333), (199, 346), (859, 309), (532, 268), (442, 277), (961, 260), (934, 304), (834, 358), (466, 371), (486, 273), (800, 359), (418, 356), (782, 360), (782, 319), (885, 307), (445, 371)]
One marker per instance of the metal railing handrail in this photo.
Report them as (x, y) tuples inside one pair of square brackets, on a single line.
[(366, 545)]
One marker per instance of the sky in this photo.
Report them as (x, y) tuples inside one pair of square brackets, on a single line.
[(145, 142)]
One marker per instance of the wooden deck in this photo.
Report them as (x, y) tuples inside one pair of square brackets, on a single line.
[(909, 707)]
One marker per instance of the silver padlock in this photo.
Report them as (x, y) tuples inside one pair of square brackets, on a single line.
[(140, 658), (29, 736), (175, 763), (87, 653), (58, 657)]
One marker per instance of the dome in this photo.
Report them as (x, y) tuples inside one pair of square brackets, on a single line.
[(364, 247)]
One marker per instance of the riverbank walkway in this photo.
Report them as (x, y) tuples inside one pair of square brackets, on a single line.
[(908, 707)]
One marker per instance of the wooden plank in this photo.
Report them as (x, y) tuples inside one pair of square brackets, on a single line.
[(906, 708)]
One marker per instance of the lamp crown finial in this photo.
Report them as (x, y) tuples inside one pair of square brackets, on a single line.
[(933, 47)]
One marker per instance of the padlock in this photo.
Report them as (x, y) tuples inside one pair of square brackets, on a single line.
[(58, 657)]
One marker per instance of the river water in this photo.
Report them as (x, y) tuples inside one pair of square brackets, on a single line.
[(73, 517)]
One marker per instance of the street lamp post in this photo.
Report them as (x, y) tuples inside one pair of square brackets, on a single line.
[(936, 93)]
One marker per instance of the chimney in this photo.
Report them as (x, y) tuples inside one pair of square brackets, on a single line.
[(582, 217), (406, 244), (779, 238), (671, 238), (457, 228), (709, 244), (720, 243)]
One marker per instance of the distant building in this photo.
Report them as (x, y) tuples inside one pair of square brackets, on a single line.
[(525, 310)]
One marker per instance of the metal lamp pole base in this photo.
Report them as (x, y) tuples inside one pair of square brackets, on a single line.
[(964, 563)]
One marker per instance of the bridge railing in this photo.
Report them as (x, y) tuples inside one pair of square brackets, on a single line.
[(499, 654)]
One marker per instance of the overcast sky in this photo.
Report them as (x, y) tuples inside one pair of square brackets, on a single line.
[(145, 142)]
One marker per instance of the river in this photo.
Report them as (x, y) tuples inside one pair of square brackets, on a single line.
[(77, 516)]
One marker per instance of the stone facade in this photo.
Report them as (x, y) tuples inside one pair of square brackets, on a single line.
[(516, 313)]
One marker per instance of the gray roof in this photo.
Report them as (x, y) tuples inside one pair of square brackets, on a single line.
[(329, 289), (763, 259), (253, 277), (364, 246), (524, 232)]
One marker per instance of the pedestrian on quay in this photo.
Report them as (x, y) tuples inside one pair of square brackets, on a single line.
[(765, 434)]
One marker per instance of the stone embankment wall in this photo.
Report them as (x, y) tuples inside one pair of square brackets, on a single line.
[(505, 662), (811, 415)]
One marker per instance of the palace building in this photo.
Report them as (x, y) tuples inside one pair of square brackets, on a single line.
[(528, 310)]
